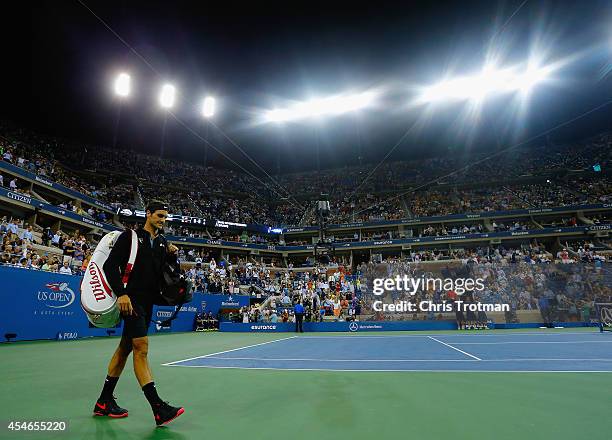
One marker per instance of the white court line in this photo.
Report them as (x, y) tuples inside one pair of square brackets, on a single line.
[(395, 371), (533, 342), (454, 348), (227, 351), (362, 335), (404, 360), (337, 360)]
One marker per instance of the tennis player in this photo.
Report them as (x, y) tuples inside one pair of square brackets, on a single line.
[(135, 303)]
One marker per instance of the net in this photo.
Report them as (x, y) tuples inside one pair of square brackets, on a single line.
[(604, 316)]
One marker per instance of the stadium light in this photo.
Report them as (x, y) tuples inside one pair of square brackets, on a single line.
[(489, 81), (530, 77), (470, 87), (166, 97), (122, 85), (208, 107), (331, 106)]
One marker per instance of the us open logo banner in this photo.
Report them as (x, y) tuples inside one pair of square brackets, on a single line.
[(53, 298)]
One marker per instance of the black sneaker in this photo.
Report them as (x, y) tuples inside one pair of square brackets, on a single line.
[(109, 408), (165, 413)]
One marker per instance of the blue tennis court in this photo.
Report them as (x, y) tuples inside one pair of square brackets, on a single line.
[(494, 352)]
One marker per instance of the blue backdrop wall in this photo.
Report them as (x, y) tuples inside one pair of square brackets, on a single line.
[(44, 305)]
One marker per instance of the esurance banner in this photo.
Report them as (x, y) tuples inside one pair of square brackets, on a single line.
[(347, 326)]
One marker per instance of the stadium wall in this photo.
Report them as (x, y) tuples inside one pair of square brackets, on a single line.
[(353, 326), (374, 326), (46, 305)]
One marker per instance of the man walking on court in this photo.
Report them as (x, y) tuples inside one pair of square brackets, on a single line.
[(298, 310), (135, 303)]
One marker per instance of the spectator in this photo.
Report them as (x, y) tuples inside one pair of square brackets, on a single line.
[(27, 234), (65, 269)]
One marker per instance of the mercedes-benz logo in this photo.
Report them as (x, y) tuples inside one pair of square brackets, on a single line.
[(605, 314), (353, 326)]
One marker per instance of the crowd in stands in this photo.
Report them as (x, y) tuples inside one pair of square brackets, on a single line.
[(37, 154), (46, 168), (52, 251), (195, 190), (324, 293), (526, 279), (561, 286), (442, 230)]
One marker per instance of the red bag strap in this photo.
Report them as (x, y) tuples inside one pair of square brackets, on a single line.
[(131, 259)]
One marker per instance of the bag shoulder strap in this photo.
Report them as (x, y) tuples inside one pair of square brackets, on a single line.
[(131, 259)]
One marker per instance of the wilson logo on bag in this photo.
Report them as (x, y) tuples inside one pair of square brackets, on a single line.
[(97, 298)]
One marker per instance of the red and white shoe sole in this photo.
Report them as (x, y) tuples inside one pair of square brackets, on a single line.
[(180, 411), (114, 416)]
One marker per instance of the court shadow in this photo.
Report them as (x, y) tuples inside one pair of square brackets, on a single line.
[(165, 433), (107, 428)]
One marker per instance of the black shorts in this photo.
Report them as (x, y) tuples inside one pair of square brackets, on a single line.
[(136, 325)]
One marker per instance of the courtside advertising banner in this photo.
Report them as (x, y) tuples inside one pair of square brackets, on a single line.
[(45, 305)]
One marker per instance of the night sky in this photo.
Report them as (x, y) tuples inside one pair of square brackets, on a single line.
[(253, 58)]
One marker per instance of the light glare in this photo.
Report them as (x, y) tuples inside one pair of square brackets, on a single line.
[(166, 97), (208, 107), (331, 106), (532, 76), (122, 85), (489, 82)]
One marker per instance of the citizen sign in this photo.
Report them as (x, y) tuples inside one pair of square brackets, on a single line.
[(19, 197)]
